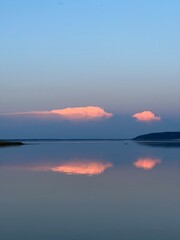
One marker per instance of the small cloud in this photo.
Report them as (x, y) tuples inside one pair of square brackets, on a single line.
[(147, 163), (72, 114), (146, 116)]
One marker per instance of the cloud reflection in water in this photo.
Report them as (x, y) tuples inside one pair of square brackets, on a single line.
[(82, 168), (147, 163), (79, 167)]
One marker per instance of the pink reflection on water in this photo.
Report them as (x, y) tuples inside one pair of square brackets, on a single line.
[(74, 167), (147, 163), (82, 168)]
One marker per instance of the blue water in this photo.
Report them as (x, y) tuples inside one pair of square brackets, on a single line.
[(90, 190)]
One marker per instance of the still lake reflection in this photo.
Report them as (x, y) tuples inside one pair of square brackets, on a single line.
[(75, 167), (147, 163), (90, 190)]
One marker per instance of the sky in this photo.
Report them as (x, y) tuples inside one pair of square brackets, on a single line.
[(120, 57)]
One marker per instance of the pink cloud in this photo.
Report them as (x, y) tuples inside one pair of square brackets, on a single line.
[(146, 163), (146, 116), (75, 113), (78, 113)]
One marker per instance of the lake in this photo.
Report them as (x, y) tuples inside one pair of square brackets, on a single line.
[(90, 190)]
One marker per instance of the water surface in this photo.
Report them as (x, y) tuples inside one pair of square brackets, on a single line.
[(90, 190)]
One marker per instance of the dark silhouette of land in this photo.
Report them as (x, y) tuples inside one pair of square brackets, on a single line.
[(164, 144), (151, 137), (160, 136), (4, 143)]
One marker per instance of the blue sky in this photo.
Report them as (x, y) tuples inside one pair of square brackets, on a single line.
[(121, 55)]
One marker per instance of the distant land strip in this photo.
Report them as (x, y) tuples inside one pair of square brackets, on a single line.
[(160, 136), (63, 139), (4, 143)]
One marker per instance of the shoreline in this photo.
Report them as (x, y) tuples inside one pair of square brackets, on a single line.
[(4, 143)]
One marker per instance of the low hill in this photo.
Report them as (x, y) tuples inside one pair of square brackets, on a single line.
[(161, 136)]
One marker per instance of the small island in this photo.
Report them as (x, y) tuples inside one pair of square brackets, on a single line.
[(4, 143), (160, 136)]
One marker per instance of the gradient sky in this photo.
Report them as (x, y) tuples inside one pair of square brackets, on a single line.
[(120, 55)]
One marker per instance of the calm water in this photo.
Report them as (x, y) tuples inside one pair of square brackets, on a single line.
[(90, 191)]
